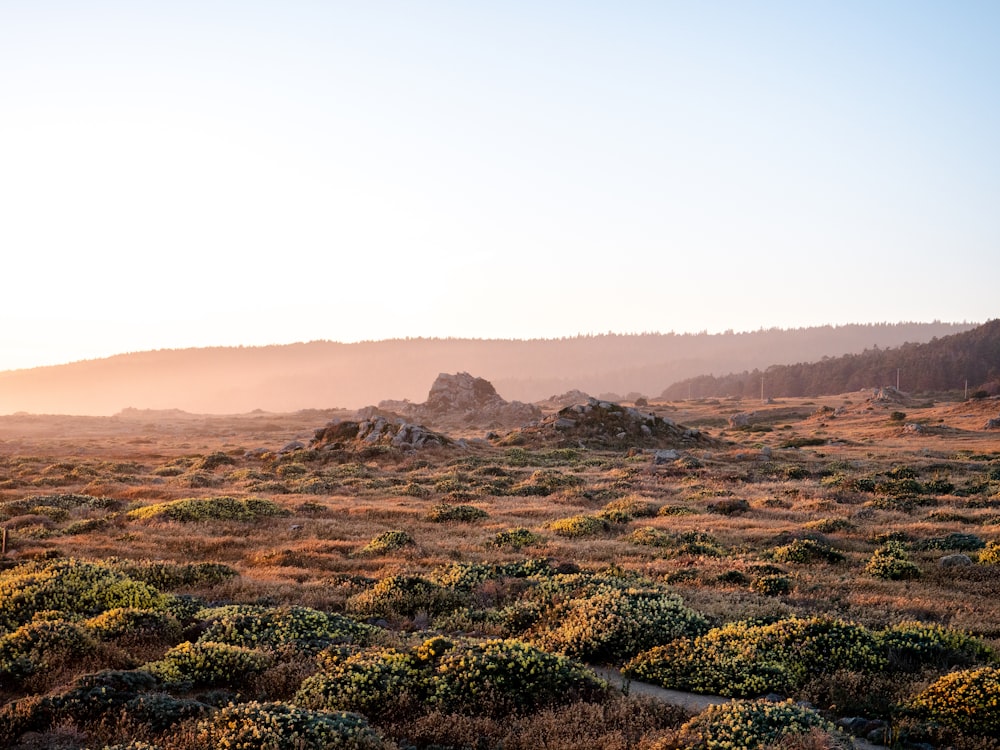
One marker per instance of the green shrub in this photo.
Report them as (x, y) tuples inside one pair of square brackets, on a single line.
[(210, 509), (443, 512), (965, 700), (753, 725), (71, 586), (677, 510), (956, 542), (912, 645), (829, 525), (742, 660), (388, 541), (807, 551), (498, 677), (629, 507), (616, 624), (648, 536), (369, 682), (579, 526), (279, 726), (85, 526), (516, 539), (270, 627), (892, 563), (167, 576), (729, 507), (135, 625), (206, 664), (43, 645), (403, 596)]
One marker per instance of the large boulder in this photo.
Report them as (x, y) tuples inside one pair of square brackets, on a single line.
[(464, 400)]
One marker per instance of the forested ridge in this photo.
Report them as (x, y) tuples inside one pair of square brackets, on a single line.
[(942, 364)]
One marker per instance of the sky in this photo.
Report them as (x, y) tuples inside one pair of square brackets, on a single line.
[(216, 173)]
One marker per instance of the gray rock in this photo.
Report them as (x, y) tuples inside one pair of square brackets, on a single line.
[(955, 561), (992, 424), (665, 456)]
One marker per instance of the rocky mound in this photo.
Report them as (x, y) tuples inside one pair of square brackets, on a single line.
[(565, 399), (377, 430), (462, 399), (605, 425)]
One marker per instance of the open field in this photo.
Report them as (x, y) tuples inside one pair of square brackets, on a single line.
[(843, 551)]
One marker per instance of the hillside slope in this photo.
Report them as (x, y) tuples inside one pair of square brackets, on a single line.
[(323, 374), (942, 364)]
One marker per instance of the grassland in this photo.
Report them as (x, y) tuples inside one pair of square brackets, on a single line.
[(167, 576)]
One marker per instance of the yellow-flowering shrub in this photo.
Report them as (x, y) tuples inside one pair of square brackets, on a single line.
[(135, 625), (617, 624), (968, 700), (210, 509), (71, 586), (578, 526), (892, 562), (269, 627), (43, 645), (443, 512), (403, 596), (279, 726), (370, 681), (743, 660), (388, 541), (749, 725), (206, 664), (500, 676)]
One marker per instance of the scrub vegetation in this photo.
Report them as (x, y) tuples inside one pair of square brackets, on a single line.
[(197, 585)]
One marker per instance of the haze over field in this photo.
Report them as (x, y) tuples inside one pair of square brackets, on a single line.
[(187, 174)]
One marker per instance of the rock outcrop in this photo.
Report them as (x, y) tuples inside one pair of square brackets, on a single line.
[(464, 400), (377, 430), (605, 425)]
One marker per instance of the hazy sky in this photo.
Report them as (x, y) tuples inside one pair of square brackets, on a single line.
[(203, 173)]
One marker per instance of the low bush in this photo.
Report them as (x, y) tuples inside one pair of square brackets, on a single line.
[(579, 526), (130, 624), (43, 646), (70, 586), (753, 725), (279, 726), (499, 677), (385, 682), (388, 541), (616, 624), (892, 563), (167, 576), (744, 660), (807, 551), (210, 509), (443, 512), (966, 700), (255, 626), (990, 554), (403, 596), (206, 664), (516, 539), (912, 645)]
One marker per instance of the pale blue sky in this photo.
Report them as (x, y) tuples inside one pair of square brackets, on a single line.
[(184, 173)]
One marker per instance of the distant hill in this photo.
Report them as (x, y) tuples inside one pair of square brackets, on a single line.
[(943, 364), (323, 374)]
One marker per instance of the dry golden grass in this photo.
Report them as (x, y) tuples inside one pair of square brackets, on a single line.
[(748, 498)]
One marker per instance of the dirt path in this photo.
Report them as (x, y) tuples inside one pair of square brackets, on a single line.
[(693, 702)]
